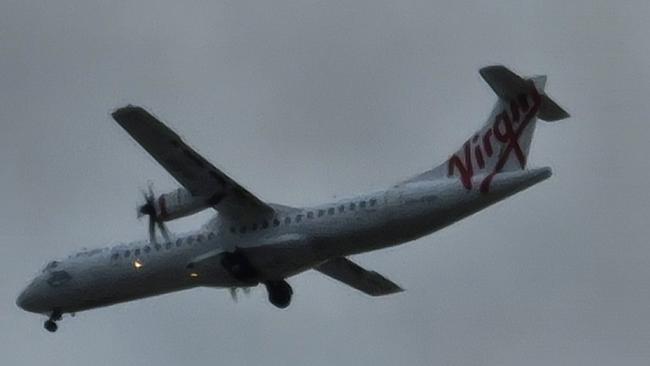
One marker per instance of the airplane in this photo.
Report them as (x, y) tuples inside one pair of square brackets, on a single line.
[(249, 242)]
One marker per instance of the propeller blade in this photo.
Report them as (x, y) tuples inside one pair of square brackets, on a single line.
[(149, 209), (163, 230), (152, 230), (150, 189), (139, 213)]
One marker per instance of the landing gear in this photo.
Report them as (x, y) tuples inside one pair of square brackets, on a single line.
[(50, 324), (279, 293), (239, 267)]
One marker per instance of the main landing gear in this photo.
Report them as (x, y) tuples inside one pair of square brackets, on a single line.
[(50, 324), (279, 293), (239, 267)]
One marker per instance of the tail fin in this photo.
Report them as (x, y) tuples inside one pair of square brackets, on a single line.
[(502, 144)]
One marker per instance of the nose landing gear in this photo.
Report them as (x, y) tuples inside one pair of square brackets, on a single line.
[(50, 324)]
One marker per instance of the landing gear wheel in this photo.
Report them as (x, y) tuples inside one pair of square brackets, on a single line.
[(279, 293), (51, 326)]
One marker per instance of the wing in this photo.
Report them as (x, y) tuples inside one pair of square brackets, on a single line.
[(369, 282), (189, 168)]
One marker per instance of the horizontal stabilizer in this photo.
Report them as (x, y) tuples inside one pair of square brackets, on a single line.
[(549, 110), (508, 86), (369, 282), (505, 83)]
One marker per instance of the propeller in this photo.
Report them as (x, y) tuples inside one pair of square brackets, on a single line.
[(149, 209)]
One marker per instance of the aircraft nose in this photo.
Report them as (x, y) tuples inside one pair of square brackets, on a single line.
[(28, 299), (22, 299)]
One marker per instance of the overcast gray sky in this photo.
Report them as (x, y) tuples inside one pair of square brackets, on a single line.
[(302, 101)]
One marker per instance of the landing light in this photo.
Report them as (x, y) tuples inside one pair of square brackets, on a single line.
[(194, 274), (137, 263)]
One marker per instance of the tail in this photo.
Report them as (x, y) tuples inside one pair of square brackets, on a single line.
[(502, 144)]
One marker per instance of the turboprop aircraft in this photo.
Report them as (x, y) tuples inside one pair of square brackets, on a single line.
[(250, 242)]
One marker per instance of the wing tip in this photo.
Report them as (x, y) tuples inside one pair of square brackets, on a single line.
[(391, 291), (126, 110)]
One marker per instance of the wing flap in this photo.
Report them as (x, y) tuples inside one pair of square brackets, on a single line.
[(353, 275)]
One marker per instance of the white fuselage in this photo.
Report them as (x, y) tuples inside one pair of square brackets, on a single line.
[(279, 247)]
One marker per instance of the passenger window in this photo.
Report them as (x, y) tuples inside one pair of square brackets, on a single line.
[(254, 227), (137, 252), (127, 254), (211, 236), (242, 230), (331, 211), (341, 208), (233, 229), (157, 246), (353, 206), (373, 202), (168, 246), (276, 222), (287, 220), (115, 256), (321, 213), (265, 224), (362, 204), (298, 218), (310, 215), (147, 249)]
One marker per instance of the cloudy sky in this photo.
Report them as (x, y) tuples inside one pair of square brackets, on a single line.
[(305, 101)]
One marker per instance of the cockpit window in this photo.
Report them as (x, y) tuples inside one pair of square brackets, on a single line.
[(58, 278), (51, 266)]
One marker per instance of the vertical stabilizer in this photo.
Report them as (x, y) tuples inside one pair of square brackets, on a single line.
[(503, 143)]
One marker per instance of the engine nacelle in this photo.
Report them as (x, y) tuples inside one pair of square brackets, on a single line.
[(178, 203)]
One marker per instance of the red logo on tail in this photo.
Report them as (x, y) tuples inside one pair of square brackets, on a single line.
[(506, 129)]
